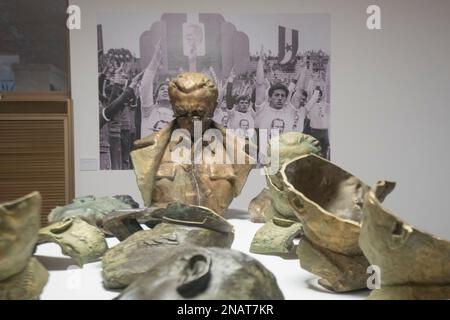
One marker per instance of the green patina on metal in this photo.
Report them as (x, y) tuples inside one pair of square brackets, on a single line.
[(77, 239), (177, 225), (92, 209), (192, 272)]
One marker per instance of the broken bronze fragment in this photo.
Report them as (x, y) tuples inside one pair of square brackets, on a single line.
[(77, 238), (276, 237), (21, 276), (92, 209), (328, 202), (412, 264), (178, 224), (271, 201), (192, 272)]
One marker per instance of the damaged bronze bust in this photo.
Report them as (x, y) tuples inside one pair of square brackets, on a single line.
[(211, 184)]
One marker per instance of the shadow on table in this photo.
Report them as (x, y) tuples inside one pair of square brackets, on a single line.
[(237, 214), (56, 263), (313, 284)]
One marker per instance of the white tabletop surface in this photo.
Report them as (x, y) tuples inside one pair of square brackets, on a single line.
[(67, 281)]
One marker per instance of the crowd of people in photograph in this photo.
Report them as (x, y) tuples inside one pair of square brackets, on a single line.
[(134, 103)]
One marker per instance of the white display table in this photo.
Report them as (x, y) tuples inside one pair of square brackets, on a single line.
[(67, 281)]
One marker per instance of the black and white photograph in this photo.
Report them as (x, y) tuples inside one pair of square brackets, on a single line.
[(272, 72)]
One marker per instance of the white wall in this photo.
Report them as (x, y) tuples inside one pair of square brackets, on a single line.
[(390, 97)]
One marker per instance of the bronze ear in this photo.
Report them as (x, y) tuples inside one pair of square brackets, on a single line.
[(62, 226), (195, 276)]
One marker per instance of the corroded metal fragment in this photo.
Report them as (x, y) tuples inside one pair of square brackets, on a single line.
[(77, 239), (25, 285), (276, 237), (21, 276), (260, 208), (178, 224), (19, 225), (191, 272), (328, 202), (92, 209), (272, 205), (271, 201), (413, 264)]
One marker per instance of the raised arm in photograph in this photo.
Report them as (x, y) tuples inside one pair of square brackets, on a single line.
[(111, 110), (229, 99), (299, 96), (260, 80), (312, 101)]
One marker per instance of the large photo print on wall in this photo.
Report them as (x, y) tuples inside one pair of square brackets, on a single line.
[(272, 71)]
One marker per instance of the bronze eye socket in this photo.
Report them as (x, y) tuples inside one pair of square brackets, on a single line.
[(194, 116), (198, 114), (181, 114)]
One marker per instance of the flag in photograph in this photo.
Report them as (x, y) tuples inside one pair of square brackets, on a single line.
[(99, 39), (287, 44)]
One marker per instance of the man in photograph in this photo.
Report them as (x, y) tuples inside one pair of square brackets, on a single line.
[(244, 125), (318, 112), (278, 124), (242, 111), (275, 110), (156, 106), (193, 40), (261, 90), (221, 114)]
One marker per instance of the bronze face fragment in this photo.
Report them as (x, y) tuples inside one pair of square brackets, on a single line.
[(328, 202)]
